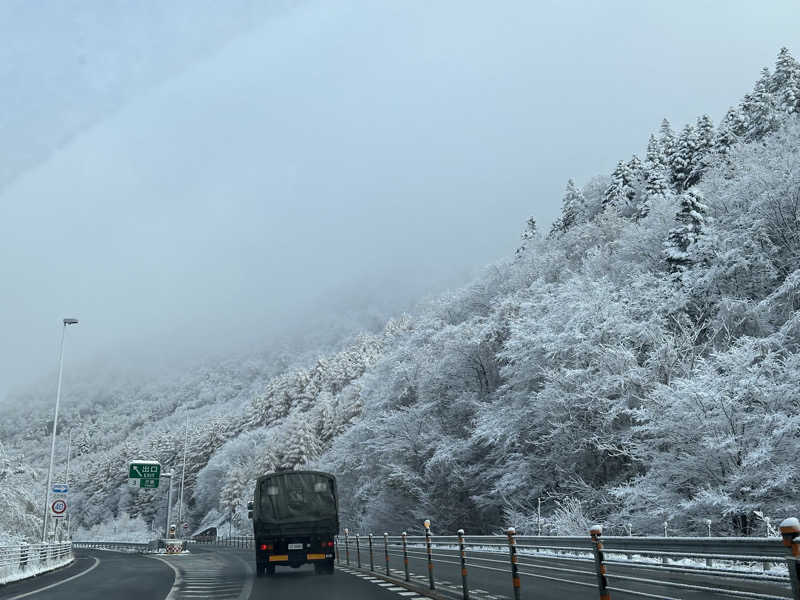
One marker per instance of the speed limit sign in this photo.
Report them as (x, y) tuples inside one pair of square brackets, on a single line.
[(58, 508)]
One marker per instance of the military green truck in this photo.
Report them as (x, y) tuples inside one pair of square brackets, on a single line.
[(295, 519)]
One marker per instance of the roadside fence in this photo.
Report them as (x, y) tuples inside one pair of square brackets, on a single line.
[(26, 560), (137, 547), (236, 541), (647, 567)]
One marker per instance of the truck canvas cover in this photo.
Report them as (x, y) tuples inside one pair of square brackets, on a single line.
[(297, 497)]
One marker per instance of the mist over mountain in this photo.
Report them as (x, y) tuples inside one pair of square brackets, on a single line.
[(366, 237), (630, 365)]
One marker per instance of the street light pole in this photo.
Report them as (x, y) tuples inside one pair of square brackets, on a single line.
[(66, 475), (539, 517), (183, 472), (55, 426)]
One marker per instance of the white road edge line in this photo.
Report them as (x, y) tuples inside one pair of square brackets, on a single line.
[(178, 578), (57, 583), (247, 587)]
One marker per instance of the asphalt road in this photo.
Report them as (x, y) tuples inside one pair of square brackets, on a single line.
[(97, 574), (490, 579), (205, 573), (221, 573)]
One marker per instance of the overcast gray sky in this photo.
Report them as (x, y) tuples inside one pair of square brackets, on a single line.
[(374, 149)]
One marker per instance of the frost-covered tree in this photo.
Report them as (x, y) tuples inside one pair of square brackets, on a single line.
[(760, 107), (690, 220), (656, 177), (684, 157), (528, 234), (621, 191), (666, 140), (572, 208)]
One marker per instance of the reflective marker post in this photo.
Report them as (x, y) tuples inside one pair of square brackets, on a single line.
[(427, 525), (405, 556), (599, 562), (463, 552), (347, 545), (512, 549), (790, 532), (386, 550), (371, 558), (358, 552)]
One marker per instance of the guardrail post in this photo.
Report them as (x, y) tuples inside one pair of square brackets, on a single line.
[(405, 556), (512, 551), (371, 557), (790, 531), (347, 546), (463, 552), (23, 556), (386, 550), (599, 562), (358, 552), (427, 524)]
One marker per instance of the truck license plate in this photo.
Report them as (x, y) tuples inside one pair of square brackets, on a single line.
[(295, 546)]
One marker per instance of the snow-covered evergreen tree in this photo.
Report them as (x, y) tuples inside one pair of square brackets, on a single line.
[(528, 234), (690, 220), (684, 157), (572, 208)]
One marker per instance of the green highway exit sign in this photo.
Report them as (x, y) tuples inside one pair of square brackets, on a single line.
[(146, 471)]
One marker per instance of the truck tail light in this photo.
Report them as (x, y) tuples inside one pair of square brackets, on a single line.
[(265, 547), (330, 544)]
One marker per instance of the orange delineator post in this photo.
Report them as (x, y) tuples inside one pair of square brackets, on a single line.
[(430, 558), (790, 532), (599, 562), (386, 551), (512, 550), (371, 556), (463, 553), (347, 546), (405, 556)]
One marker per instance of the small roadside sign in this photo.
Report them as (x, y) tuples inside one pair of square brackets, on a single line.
[(148, 483), (60, 488), (186, 526), (58, 509)]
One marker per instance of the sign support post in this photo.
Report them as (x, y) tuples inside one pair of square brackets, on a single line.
[(169, 503)]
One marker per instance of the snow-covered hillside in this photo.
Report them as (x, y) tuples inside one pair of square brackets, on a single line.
[(638, 363)]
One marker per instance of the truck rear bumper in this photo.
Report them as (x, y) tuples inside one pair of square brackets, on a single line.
[(283, 559)]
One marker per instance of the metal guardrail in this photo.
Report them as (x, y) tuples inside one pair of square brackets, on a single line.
[(638, 566), (25, 560), (140, 547), (236, 541)]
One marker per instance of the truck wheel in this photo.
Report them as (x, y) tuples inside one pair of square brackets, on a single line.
[(269, 570), (260, 569), (329, 566)]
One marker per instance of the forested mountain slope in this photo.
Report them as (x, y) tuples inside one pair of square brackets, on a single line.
[(636, 364)]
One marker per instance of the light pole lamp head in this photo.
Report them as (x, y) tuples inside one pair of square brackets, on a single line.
[(427, 524), (70, 322)]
